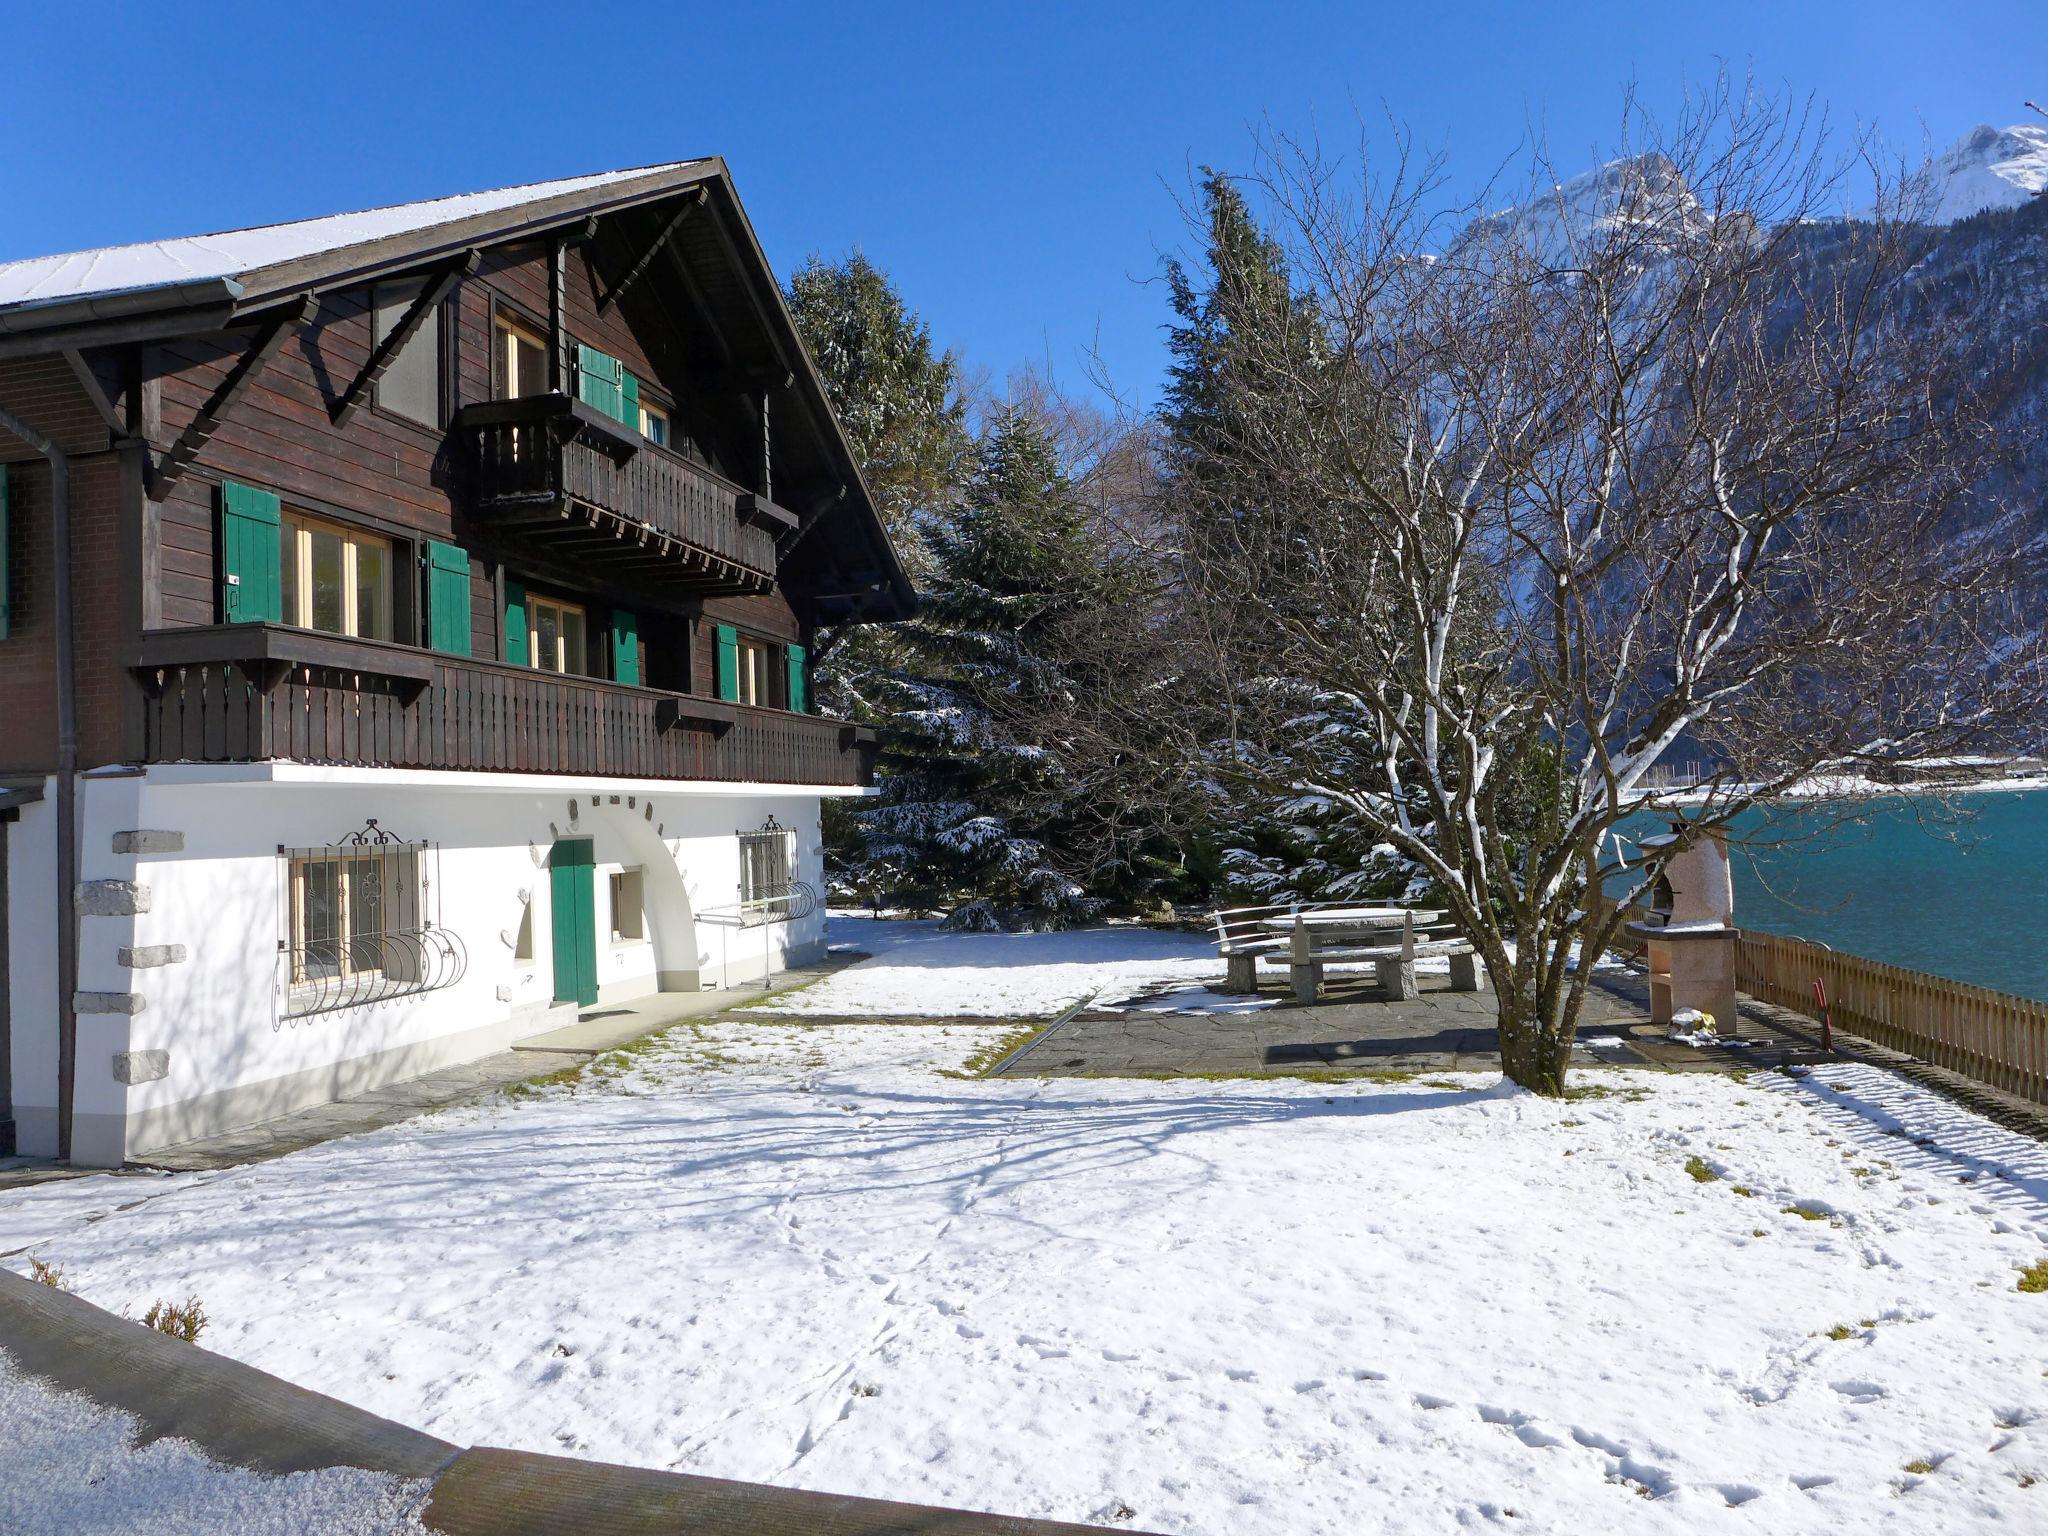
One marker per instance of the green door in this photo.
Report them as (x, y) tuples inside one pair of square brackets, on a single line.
[(575, 919)]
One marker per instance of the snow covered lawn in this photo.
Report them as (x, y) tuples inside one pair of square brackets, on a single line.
[(920, 970), (800, 1254)]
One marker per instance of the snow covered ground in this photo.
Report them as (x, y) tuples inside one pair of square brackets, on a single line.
[(72, 1466), (799, 1254), (919, 970)]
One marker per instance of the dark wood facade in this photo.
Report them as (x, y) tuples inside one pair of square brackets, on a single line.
[(751, 518)]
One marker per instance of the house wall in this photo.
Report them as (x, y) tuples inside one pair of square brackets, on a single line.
[(28, 687), (234, 1058)]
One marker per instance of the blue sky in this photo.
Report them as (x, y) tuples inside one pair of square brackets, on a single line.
[(1015, 168)]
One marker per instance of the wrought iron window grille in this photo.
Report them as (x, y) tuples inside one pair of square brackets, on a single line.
[(361, 923)]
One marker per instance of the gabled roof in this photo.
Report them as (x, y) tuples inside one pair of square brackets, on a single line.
[(165, 287), (240, 254)]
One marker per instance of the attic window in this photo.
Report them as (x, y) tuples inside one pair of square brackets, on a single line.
[(411, 386)]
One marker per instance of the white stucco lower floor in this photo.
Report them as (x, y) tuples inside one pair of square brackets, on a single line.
[(189, 1022)]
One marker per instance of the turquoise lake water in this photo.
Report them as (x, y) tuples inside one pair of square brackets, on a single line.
[(1964, 896)]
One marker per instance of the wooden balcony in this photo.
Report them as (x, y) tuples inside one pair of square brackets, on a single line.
[(573, 479), (261, 692)]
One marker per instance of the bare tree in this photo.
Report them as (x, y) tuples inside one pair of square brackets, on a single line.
[(1493, 515)]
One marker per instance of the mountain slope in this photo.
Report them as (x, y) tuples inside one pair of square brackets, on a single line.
[(1987, 168)]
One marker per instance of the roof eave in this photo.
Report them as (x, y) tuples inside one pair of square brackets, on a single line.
[(120, 304)]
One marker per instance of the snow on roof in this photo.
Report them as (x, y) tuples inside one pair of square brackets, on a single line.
[(161, 263)]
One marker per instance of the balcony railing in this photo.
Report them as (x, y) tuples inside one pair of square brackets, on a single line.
[(558, 470), (257, 692)]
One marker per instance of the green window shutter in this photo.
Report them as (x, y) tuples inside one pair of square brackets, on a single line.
[(728, 663), (625, 647), (6, 564), (252, 588), (629, 400), (447, 598), (799, 688), (598, 385), (517, 652)]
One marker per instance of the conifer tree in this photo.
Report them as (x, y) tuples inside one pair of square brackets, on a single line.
[(898, 398), (1240, 330), (976, 810)]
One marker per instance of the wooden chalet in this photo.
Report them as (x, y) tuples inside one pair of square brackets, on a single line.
[(406, 631)]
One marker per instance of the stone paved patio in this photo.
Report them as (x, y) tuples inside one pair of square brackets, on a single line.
[(1351, 1029)]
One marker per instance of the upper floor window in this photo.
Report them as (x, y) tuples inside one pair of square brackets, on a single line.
[(521, 360), (654, 424), (554, 635), (753, 672), (334, 578), (411, 385)]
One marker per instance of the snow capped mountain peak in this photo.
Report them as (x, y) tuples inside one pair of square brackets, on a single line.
[(1627, 198), (1988, 168)]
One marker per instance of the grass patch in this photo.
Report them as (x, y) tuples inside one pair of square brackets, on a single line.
[(1804, 1212), (533, 1087), (46, 1274), (1701, 1173), (2034, 1278), (1920, 1467), (180, 1322), (992, 1055), (1743, 1190), (1592, 1091), (1840, 1332)]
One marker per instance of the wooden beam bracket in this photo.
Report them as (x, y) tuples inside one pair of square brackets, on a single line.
[(199, 431), (633, 273), (95, 392)]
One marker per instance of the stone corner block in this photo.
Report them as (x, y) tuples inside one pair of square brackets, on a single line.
[(108, 1002), (143, 957), (112, 898), (141, 1066), (147, 841)]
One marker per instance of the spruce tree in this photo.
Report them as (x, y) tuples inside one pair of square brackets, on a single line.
[(1242, 333), (976, 810), (898, 398)]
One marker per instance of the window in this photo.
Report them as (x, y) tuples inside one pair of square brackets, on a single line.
[(753, 671), (411, 385), (352, 914), (654, 424), (629, 925), (522, 943), (521, 360), (764, 867), (334, 578), (554, 635)]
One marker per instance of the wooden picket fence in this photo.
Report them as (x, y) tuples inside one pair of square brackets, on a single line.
[(1992, 1037)]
